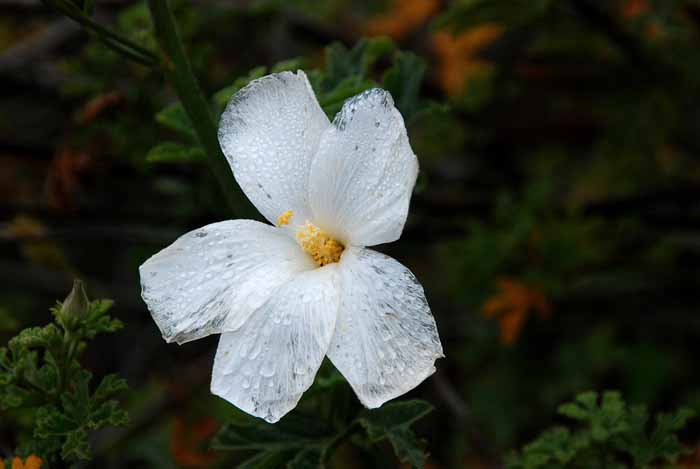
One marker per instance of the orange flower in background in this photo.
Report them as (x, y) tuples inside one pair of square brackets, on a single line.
[(188, 440), (94, 107), (63, 180), (512, 304), (458, 56), (32, 462), (404, 17), (634, 8)]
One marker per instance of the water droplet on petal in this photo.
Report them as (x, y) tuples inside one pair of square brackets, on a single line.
[(267, 370)]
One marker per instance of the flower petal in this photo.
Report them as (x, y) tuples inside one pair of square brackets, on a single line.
[(269, 133), (363, 175), (264, 367), (211, 279), (385, 340)]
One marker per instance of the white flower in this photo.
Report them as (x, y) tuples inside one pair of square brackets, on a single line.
[(285, 296)]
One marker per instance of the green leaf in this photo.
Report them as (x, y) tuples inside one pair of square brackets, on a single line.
[(41, 373), (76, 446), (267, 460), (393, 416), (293, 431), (470, 13), (407, 447), (175, 118), (610, 431), (392, 421), (109, 386), (403, 81), (342, 63), (172, 152), (307, 458)]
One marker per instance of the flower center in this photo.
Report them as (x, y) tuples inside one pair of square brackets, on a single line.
[(323, 248)]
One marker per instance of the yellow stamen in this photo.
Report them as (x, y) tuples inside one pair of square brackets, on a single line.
[(323, 248), (284, 218)]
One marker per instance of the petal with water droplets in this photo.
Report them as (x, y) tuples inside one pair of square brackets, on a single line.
[(385, 340), (269, 133), (264, 367), (363, 175), (211, 279)]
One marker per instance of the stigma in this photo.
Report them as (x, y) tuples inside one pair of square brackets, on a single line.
[(323, 248)]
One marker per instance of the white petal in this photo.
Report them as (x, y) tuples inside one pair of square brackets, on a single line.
[(264, 367), (363, 175), (269, 133), (211, 279), (385, 340)]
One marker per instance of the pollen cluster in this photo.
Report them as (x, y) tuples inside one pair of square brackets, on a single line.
[(323, 248), (284, 218)]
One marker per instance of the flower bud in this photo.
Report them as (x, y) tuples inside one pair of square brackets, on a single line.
[(76, 304)]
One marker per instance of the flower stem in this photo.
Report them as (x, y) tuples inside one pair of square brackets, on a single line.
[(111, 39), (178, 72)]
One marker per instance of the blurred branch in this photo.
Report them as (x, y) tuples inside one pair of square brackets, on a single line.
[(458, 407), (178, 72), (118, 43)]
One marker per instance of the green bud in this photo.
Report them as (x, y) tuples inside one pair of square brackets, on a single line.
[(76, 304)]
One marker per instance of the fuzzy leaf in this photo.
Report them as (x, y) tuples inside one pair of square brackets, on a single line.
[(175, 118), (392, 421), (291, 432), (403, 81), (173, 152)]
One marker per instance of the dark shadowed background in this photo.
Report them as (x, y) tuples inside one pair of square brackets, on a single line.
[(555, 224)]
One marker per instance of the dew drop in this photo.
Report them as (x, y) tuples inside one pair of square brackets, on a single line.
[(267, 370)]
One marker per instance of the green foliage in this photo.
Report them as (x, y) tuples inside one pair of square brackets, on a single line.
[(611, 434), (528, 239), (466, 13), (40, 374), (393, 422), (305, 441), (173, 152)]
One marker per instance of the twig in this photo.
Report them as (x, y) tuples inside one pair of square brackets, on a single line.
[(178, 72), (111, 39), (446, 391), (450, 396)]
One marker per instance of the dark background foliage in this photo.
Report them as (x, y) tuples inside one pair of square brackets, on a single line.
[(555, 224)]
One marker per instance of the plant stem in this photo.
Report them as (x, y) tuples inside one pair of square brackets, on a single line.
[(178, 72), (111, 39)]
